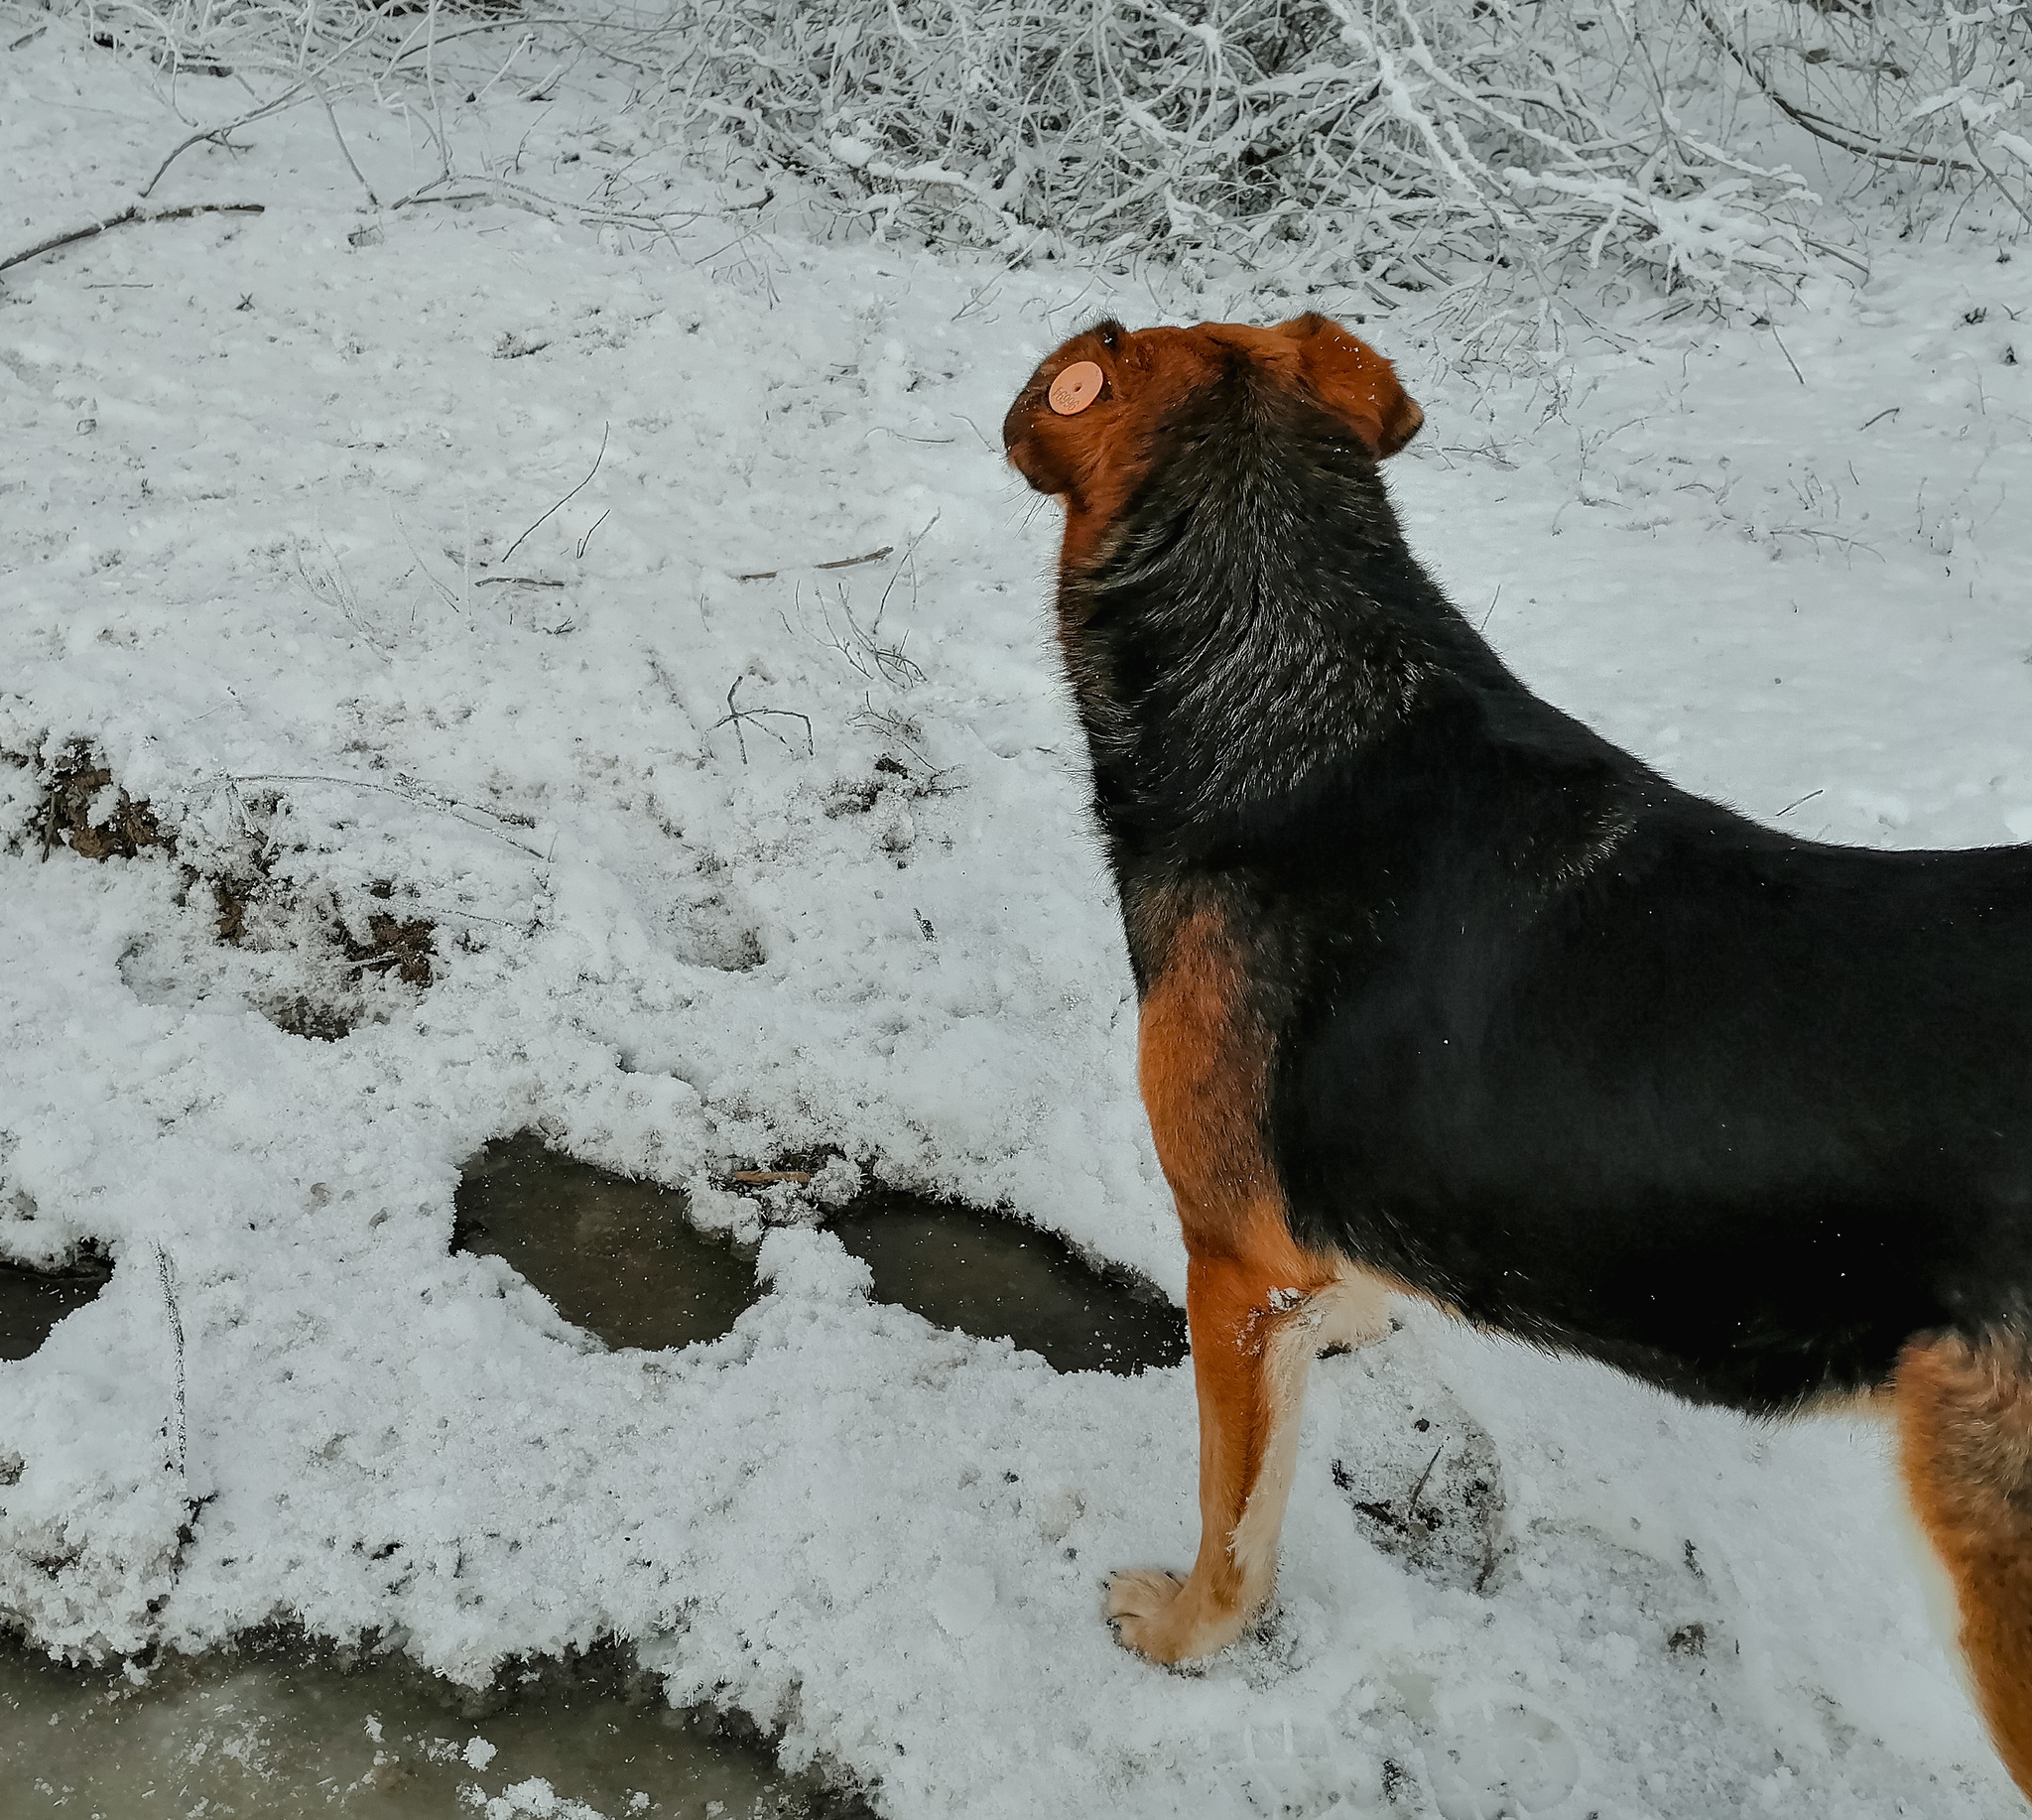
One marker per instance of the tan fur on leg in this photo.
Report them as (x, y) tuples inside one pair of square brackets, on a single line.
[(1254, 1338), (1965, 1446), (1350, 1311), (1287, 1356)]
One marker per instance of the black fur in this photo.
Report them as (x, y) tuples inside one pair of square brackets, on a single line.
[(1596, 1061)]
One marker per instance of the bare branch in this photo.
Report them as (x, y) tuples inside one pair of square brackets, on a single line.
[(606, 430), (129, 214)]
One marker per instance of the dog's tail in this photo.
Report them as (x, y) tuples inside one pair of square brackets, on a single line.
[(1965, 1443)]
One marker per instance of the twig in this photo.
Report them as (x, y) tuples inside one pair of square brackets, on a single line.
[(1417, 1490), (412, 792), (888, 723), (330, 114), (162, 1270), (1832, 537), (861, 648), (334, 588), (222, 133), (908, 550), (854, 562), (605, 428), (374, 17), (1789, 360), (845, 562), (1795, 803), (735, 715), (133, 212), (1887, 410), (522, 580), (762, 1178), (517, 196), (2003, 187)]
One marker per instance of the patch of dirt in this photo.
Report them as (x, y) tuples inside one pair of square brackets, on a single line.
[(304, 1016), (258, 915), (92, 816), (857, 796), (1442, 1515), (316, 965), (393, 946)]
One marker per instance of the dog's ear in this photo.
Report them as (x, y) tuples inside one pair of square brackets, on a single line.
[(1054, 431), (1355, 383)]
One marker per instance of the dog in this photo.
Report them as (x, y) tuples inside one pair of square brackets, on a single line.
[(1442, 994)]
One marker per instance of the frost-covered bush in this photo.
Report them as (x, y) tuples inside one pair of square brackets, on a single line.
[(1926, 85), (1395, 141), (1392, 145), (1403, 144)]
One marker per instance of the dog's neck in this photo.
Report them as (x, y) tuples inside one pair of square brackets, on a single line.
[(1251, 624)]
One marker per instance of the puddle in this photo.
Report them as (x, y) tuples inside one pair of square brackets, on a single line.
[(994, 1277), (620, 1259), (280, 1732), (32, 1302), (617, 1257)]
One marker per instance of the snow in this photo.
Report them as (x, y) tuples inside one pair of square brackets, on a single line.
[(260, 477), (534, 1797)]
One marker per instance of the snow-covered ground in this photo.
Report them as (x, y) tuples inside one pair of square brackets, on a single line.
[(260, 477)]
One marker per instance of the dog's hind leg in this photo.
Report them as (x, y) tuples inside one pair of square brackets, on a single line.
[(1257, 1319), (1965, 1441)]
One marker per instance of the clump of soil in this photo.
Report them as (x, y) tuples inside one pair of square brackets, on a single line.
[(329, 996), (302, 1015), (94, 815), (320, 967), (393, 946), (254, 914)]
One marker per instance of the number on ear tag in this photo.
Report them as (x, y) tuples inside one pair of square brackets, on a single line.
[(1076, 387)]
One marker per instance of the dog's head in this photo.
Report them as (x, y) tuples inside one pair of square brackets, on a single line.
[(1086, 426)]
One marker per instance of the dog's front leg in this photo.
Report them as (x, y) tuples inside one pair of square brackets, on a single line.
[(1257, 1304), (1256, 1324)]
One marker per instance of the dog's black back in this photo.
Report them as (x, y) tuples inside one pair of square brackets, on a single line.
[(1584, 1056)]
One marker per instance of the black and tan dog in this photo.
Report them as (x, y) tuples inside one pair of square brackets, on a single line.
[(1444, 995)]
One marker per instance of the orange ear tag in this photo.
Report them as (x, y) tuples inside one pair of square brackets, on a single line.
[(1076, 388)]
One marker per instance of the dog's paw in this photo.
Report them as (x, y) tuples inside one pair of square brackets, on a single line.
[(1143, 1607), (1165, 1618)]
